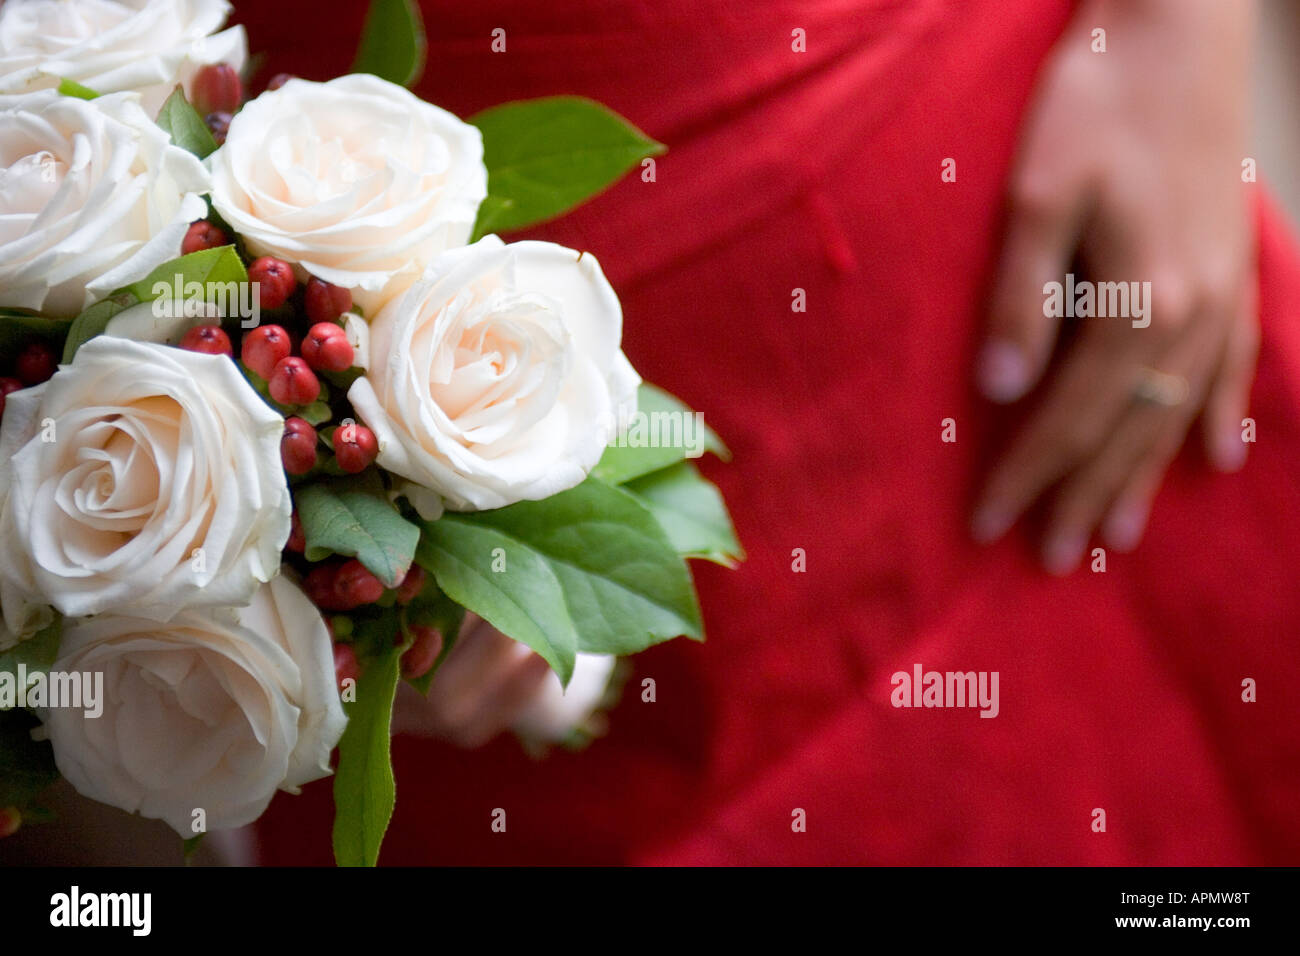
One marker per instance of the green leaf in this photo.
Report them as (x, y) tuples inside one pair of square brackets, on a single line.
[(525, 602), (26, 765), (69, 87), (190, 846), (33, 815), (18, 328), (317, 413), (215, 269), (664, 432), (545, 156), (691, 511), (38, 653), (623, 585), (185, 126), (364, 790), (219, 271), (93, 321), (491, 210), (392, 42), (353, 516)]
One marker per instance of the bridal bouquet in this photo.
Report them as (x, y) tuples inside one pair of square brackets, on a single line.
[(279, 408)]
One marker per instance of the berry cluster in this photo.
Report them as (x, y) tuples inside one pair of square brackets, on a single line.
[(34, 364), (311, 328), (267, 351), (348, 585), (217, 94)]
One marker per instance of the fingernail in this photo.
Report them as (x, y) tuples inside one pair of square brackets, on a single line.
[(1125, 525), (989, 524), (1229, 450), (1002, 372), (1063, 552)]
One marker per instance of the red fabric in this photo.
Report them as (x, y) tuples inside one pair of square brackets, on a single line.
[(821, 171)]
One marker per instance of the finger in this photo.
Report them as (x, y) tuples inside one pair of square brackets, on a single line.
[(477, 663), (1138, 452), (1133, 461), (1126, 521), (1043, 225), (500, 706), (1229, 398), (1087, 397)]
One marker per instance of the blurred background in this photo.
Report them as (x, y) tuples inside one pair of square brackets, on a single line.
[(1277, 116)]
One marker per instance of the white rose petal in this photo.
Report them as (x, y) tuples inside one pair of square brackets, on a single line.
[(498, 376), (115, 46), (207, 711), (164, 320), (141, 477), (355, 181), (93, 196)]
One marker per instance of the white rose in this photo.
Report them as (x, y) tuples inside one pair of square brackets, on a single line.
[(114, 46), (212, 711), (93, 196), (141, 477), (498, 376), (357, 181)]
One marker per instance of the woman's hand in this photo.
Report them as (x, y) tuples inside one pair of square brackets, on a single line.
[(1130, 163), (480, 690)]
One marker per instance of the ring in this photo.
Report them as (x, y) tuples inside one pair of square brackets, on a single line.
[(1160, 388)]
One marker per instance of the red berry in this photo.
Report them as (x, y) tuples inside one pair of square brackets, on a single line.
[(326, 301), (420, 656), (203, 235), (208, 339), (355, 447), (279, 80), (8, 385), (319, 585), (275, 280), (298, 448), (346, 666), (216, 88), (219, 126), (327, 349), (297, 539), (263, 347), (293, 383), (354, 586), (411, 585), (10, 821), (35, 363)]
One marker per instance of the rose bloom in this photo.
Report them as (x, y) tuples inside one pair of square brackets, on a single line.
[(115, 46), (498, 376), (210, 710), (356, 181), (140, 477), (93, 196)]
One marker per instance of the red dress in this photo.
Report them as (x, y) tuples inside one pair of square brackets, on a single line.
[(821, 171)]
